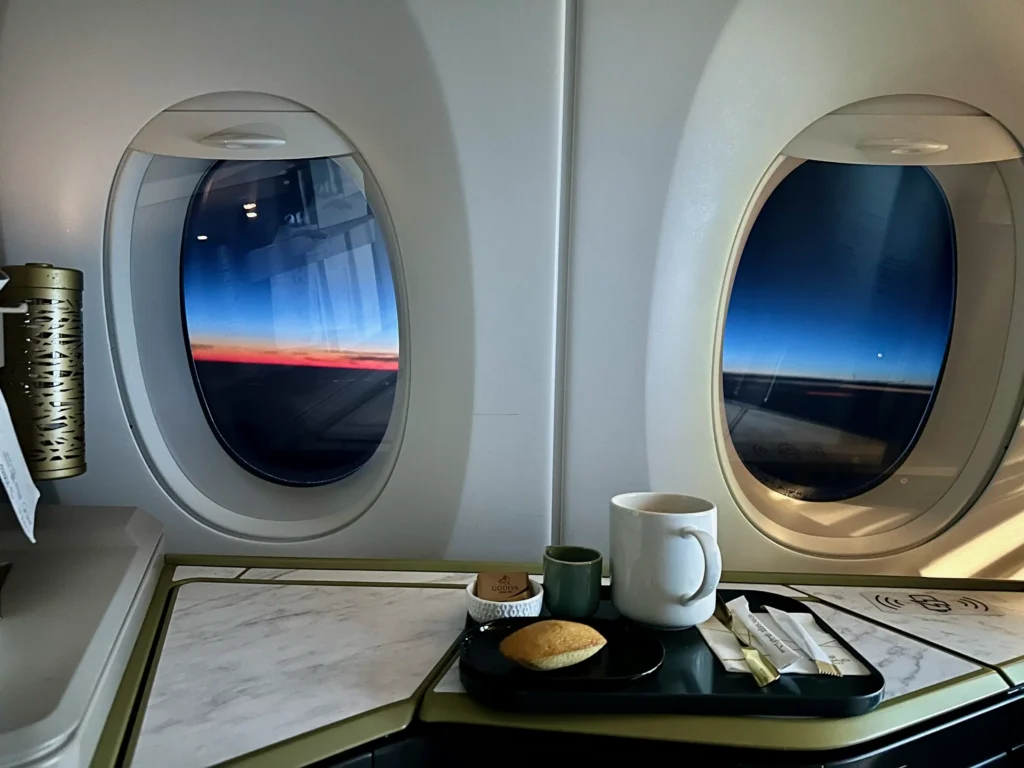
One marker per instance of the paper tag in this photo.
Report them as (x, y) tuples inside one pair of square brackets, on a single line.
[(14, 475)]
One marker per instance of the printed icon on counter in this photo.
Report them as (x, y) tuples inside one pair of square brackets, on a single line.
[(931, 603)]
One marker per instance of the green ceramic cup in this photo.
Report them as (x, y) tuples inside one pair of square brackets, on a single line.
[(572, 581)]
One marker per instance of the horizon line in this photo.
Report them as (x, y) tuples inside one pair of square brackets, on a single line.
[(357, 361), (818, 377)]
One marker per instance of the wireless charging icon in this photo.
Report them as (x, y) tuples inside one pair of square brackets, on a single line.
[(930, 603)]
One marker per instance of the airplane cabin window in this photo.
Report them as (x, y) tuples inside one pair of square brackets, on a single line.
[(290, 317), (838, 327)]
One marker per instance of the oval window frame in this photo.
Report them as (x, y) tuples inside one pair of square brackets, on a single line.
[(200, 477), (862, 526), (350, 168), (819, 496)]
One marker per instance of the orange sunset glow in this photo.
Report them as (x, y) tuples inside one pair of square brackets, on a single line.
[(367, 360)]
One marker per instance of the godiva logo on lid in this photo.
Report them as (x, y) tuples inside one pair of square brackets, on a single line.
[(505, 585), (502, 587)]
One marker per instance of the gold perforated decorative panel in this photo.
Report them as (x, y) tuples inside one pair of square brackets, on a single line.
[(43, 379)]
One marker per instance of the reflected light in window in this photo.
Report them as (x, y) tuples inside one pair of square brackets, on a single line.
[(249, 206), (201, 237), (809, 414), (308, 325)]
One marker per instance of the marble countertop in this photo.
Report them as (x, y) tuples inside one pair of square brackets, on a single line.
[(984, 627), (253, 657), (245, 665)]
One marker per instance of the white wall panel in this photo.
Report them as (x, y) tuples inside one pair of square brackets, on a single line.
[(504, 117), (759, 90), (455, 106), (639, 64)]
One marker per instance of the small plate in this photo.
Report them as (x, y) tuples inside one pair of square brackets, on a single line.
[(632, 652)]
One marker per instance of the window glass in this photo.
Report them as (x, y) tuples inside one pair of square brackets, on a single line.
[(290, 316), (838, 325)]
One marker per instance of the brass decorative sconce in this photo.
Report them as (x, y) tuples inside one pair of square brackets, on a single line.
[(43, 378)]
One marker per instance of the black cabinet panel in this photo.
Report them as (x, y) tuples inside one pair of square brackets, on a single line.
[(364, 760), (410, 752)]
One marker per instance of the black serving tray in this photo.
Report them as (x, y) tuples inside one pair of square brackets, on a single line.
[(691, 680)]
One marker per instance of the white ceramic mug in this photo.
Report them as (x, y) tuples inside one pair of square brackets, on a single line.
[(665, 560)]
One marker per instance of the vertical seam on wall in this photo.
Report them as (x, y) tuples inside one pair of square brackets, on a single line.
[(570, 25)]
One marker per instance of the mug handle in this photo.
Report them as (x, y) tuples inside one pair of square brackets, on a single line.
[(712, 562)]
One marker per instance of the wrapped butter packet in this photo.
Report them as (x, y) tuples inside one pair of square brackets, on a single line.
[(781, 655)]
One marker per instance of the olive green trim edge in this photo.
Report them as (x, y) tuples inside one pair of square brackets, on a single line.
[(355, 564), (943, 684), (801, 596), (329, 740), (336, 738), (749, 732), (1013, 670), (147, 685), (122, 708), (475, 566), (864, 580), (321, 583)]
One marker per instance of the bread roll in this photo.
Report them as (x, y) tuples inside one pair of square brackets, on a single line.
[(548, 645)]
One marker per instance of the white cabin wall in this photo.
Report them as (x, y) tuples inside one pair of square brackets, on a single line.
[(459, 109), (638, 67), (506, 110), (456, 107), (833, 54)]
